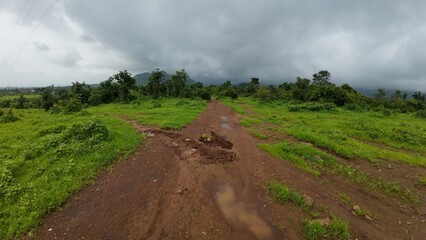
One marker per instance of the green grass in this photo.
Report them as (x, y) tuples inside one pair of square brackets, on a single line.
[(248, 122), (421, 181), (258, 134), (337, 230), (282, 194), (165, 113), (367, 135), (45, 157), (315, 161), (12, 97)]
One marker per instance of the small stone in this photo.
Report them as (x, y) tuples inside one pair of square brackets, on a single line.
[(389, 166), (408, 223), (175, 145), (204, 233), (399, 222), (354, 213), (356, 208), (187, 140), (368, 218), (380, 170), (49, 229), (155, 180)]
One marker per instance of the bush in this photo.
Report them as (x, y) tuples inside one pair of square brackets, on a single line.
[(204, 94), (311, 107), (8, 117), (421, 114), (230, 92)]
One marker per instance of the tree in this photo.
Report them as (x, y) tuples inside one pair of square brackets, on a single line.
[(21, 102), (380, 94), (300, 89), (154, 82), (47, 100), (81, 91), (125, 83), (178, 82), (321, 78), (108, 91), (419, 96)]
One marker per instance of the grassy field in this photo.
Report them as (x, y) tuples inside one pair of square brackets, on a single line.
[(45, 157), (351, 135), (12, 97), (323, 136)]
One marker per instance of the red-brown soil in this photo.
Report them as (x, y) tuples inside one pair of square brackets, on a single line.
[(178, 187)]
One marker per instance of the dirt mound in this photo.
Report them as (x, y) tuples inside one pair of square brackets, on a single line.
[(215, 140), (214, 156)]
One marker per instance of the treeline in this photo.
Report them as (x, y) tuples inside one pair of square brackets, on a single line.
[(316, 94)]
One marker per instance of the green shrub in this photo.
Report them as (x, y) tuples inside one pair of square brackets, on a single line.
[(421, 114), (311, 107), (8, 117)]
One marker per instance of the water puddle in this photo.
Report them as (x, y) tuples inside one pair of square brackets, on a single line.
[(225, 126), (238, 213), (224, 123)]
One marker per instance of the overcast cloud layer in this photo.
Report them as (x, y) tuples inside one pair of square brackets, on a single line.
[(368, 44)]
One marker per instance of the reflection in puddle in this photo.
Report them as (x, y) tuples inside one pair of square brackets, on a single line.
[(224, 118), (236, 213), (225, 126)]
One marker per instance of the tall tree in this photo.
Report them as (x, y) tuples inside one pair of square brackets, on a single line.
[(178, 82), (321, 78), (154, 82), (125, 83)]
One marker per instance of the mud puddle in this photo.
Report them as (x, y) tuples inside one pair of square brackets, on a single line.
[(238, 213)]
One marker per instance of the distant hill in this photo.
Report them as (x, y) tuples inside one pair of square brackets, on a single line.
[(142, 78)]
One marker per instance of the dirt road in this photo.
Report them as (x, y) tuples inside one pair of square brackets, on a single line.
[(207, 181)]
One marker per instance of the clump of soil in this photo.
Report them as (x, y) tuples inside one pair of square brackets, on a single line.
[(214, 156), (215, 140)]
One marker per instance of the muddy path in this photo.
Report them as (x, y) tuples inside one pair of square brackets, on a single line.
[(207, 181)]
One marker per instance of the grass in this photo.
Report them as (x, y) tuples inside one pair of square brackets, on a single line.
[(367, 135), (344, 198), (165, 113), (421, 181), (282, 194), (337, 230), (315, 161), (258, 134), (248, 122), (16, 96), (46, 157)]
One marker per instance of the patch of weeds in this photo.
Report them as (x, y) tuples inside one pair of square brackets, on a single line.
[(8, 117), (279, 228), (337, 229), (258, 135), (314, 230), (282, 194), (225, 166), (362, 212), (248, 122), (421, 181), (344, 198)]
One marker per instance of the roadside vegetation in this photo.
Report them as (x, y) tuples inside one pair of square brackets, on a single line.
[(314, 229), (55, 140)]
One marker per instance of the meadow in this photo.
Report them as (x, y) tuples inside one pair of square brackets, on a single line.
[(315, 140), (45, 157)]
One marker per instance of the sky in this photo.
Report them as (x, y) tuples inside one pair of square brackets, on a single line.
[(368, 44)]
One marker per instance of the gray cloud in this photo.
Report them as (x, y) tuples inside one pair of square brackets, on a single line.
[(41, 46), (365, 43)]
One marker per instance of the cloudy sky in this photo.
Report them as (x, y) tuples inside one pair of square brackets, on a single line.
[(366, 43)]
